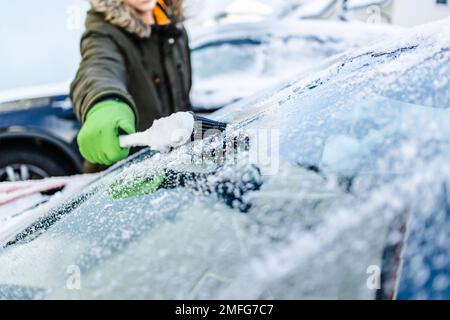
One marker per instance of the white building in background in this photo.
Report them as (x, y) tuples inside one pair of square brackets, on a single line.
[(400, 12)]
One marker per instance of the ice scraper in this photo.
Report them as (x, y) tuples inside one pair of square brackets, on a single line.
[(173, 131)]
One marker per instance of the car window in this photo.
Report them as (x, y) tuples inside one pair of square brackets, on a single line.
[(220, 58), (354, 152), (226, 71)]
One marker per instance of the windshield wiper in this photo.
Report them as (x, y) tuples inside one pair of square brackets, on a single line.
[(44, 223)]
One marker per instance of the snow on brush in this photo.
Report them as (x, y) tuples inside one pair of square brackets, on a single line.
[(172, 131)]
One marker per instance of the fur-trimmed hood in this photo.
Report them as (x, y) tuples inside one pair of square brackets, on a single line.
[(119, 14)]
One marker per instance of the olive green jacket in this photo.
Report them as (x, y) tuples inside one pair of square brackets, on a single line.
[(150, 69)]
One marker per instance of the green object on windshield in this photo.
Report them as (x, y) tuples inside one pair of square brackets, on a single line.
[(136, 186), (99, 137)]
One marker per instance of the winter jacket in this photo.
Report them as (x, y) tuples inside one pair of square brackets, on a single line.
[(146, 67)]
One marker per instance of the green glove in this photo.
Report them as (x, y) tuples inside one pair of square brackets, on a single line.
[(99, 137)]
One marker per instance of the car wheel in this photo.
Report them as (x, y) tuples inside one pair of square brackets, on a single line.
[(20, 164)]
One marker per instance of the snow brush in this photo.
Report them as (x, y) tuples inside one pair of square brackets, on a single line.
[(173, 131)]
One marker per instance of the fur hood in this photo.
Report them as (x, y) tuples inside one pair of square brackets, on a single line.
[(125, 17)]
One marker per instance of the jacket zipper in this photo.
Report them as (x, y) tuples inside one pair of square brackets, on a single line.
[(166, 75), (183, 86), (157, 83)]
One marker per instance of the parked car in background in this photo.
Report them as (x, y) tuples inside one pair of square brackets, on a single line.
[(315, 9), (356, 185), (233, 61), (38, 132), (38, 128), (207, 13)]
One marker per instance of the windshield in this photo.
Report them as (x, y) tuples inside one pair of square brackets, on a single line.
[(30, 45), (310, 220)]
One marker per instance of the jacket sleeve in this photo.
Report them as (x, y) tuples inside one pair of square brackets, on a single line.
[(102, 74)]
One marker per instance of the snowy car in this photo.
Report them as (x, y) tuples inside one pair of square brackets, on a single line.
[(234, 61), (335, 187), (38, 128)]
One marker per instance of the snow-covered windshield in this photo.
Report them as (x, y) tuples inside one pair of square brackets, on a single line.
[(356, 151)]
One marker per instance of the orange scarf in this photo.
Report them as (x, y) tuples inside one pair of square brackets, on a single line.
[(162, 13)]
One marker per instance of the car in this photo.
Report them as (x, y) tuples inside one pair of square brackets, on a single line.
[(331, 186), (233, 61), (38, 132), (38, 129), (319, 9), (205, 14)]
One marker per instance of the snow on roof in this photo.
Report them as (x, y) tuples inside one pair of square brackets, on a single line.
[(326, 29), (42, 91), (362, 4), (315, 9), (249, 7)]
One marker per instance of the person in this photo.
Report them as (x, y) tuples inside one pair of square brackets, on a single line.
[(135, 69)]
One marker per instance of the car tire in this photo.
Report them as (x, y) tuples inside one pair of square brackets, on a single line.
[(30, 163)]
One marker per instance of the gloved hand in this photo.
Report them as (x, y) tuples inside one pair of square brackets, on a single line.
[(99, 137), (164, 134)]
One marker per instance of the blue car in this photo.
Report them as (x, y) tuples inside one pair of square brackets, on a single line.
[(38, 136), (38, 128)]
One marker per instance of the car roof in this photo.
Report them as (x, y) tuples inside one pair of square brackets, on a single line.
[(35, 92), (325, 30)]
